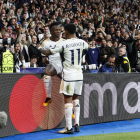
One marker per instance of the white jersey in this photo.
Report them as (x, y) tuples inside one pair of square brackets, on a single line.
[(48, 44), (71, 50)]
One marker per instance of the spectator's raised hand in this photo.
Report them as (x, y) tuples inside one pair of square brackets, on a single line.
[(1, 2), (39, 32), (115, 17), (26, 31), (32, 24), (76, 24), (98, 29), (16, 24), (129, 33), (23, 30), (5, 23), (0, 35), (120, 44), (105, 56)]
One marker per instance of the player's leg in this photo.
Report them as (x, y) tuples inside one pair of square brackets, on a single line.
[(47, 84), (68, 111), (76, 104), (49, 71), (67, 90)]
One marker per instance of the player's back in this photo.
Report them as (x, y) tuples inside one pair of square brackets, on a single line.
[(72, 54)]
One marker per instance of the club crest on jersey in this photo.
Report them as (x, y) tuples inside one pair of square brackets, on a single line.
[(52, 47)]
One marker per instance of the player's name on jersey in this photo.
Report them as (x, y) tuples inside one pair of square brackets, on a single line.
[(74, 44)]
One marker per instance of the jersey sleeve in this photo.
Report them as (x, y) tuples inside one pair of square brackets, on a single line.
[(44, 46), (85, 45), (56, 49)]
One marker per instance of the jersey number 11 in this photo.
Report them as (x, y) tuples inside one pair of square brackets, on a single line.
[(72, 56)]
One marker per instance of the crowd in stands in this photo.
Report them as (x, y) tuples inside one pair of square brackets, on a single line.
[(106, 25)]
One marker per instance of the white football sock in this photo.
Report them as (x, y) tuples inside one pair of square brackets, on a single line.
[(68, 114), (48, 84), (76, 105)]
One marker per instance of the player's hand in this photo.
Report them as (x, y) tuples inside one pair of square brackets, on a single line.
[(39, 48), (46, 61)]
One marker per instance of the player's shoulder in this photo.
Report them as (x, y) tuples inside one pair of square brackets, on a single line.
[(46, 40), (62, 39)]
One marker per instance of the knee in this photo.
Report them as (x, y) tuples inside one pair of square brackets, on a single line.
[(47, 72), (75, 97)]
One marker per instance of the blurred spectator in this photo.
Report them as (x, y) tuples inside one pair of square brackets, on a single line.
[(18, 58), (117, 37), (33, 62), (103, 44), (99, 38), (116, 46), (106, 52), (111, 65), (24, 43), (24, 18), (33, 51), (125, 64), (10, 48), (93, 54), (100, 20), (43, 35)]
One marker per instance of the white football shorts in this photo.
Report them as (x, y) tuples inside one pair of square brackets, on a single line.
[(58, 67), (70, 88)]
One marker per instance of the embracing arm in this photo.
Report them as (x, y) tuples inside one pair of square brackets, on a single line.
[(45, 52)]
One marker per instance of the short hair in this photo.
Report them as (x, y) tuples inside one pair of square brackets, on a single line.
[(17, 42), (34, 35), (123, 49), (54, 24), (46, 26), (5, 33), (123, 43), (91, 39), (34, 56), (9, 27), (115, 41), (113, 56), (70, 27)]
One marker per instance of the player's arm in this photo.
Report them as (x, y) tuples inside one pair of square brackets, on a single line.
[(45, 52), (85, 45), (51, 51)]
